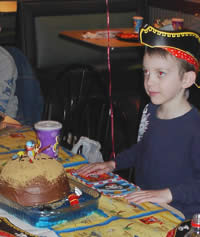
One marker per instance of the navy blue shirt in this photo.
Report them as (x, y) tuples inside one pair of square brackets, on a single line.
[(168, 156)]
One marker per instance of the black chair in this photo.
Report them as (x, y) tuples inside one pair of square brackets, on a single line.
[(83, 98)]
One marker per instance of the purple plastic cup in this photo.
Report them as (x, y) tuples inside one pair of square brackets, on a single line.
[(48, 132)]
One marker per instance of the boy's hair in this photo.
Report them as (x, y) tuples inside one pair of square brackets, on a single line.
[(184, 66)]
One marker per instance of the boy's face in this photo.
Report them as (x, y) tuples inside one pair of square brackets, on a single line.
[(162, 79)]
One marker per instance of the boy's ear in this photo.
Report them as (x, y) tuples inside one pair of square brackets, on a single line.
[(189, 79)]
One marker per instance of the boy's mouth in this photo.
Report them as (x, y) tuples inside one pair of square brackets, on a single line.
[(153, 93)]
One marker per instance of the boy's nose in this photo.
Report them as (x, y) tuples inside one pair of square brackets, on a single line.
[(150, 79)]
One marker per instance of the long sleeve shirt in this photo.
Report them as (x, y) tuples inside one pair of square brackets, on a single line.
[(27, 91), (8, 77), (168, 156)]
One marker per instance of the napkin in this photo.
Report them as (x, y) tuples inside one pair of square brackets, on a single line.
[(100, 34)]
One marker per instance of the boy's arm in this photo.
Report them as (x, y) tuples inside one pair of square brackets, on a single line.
[(158, 196), (127, 158), (189, 191)]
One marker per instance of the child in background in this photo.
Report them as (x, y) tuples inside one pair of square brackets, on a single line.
[(166, 158)]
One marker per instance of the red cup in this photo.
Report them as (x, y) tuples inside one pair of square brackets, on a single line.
[(137, 23), (177, 23)]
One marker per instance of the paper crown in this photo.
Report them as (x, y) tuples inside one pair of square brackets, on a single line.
[(187, 42)]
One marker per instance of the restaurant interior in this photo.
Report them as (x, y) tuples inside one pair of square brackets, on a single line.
[(70, 71)]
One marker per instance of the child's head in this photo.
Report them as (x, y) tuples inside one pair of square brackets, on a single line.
[(183, 65), (170, 65)]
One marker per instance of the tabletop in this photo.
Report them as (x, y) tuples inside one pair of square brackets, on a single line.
[(114, 217), (87, 37)]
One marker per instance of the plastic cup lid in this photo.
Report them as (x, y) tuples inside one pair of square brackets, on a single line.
[(47, 125)]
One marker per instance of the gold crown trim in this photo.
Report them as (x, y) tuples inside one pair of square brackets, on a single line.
[(168, 34)]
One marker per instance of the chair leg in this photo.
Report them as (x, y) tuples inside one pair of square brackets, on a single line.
[(47, 110), (130, 175), (101, 121), (107, 143)]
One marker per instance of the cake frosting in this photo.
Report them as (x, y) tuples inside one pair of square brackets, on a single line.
[(34, 183)]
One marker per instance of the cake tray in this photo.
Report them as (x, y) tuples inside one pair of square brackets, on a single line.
[(57, 212)]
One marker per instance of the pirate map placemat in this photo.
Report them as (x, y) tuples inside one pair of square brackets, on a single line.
[(149, 226), (69, 159), (109, 183), (15, 140), (118, 218)]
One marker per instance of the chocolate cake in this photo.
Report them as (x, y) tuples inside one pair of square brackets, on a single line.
[(34, 183)]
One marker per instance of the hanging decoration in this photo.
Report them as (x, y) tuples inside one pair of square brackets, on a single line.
[(110, 82)]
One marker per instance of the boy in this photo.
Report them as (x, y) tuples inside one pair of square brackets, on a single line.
[(167, 156)]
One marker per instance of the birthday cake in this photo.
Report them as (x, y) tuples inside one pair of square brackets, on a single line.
[(37, 182)]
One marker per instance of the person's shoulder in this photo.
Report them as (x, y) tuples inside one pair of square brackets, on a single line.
[(195, 113), (193, 125), (193, 120)]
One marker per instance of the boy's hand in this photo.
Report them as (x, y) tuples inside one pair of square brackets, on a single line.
[(158, 196), (97, 168)]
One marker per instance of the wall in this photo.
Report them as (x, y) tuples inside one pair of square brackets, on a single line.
[(7, 25)]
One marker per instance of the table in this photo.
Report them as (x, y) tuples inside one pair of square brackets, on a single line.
[(100, 43), (118, 219)]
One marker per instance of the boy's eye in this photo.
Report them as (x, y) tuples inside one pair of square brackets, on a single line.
[(161, 73), (146, 72)]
